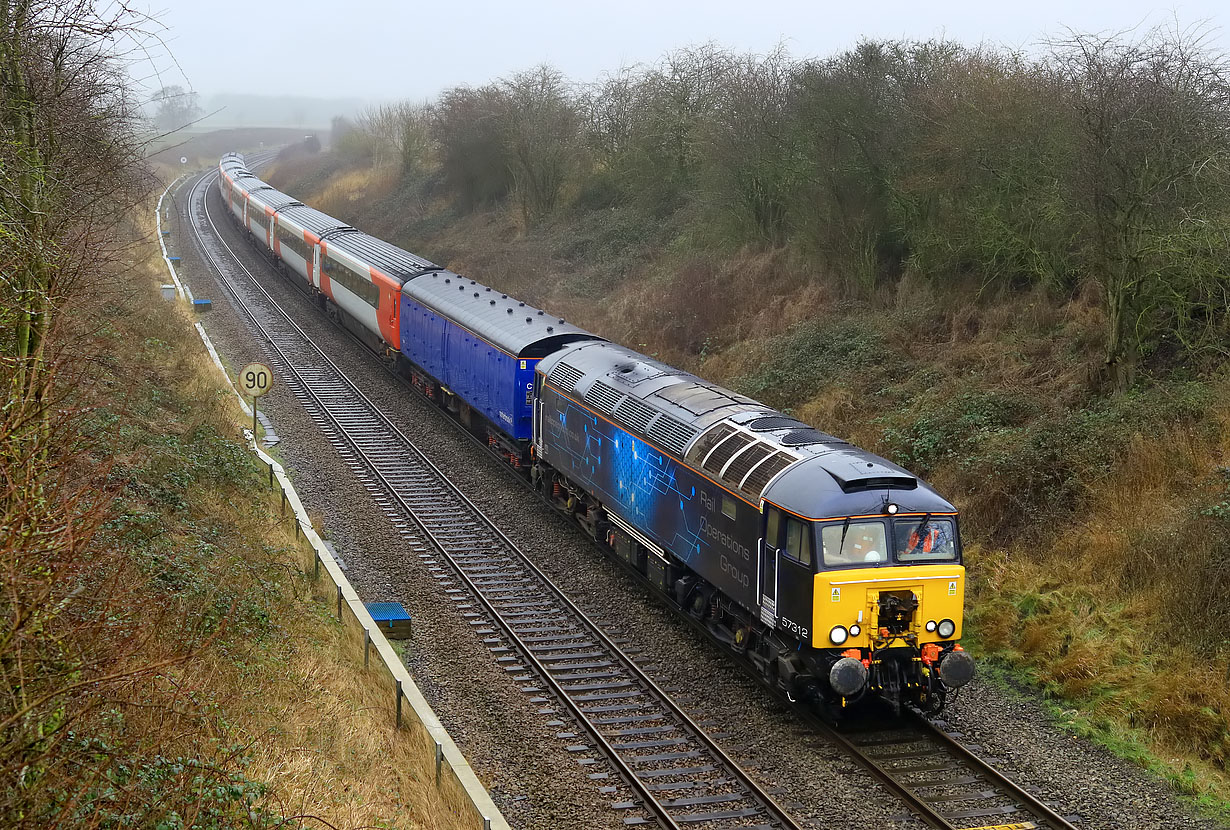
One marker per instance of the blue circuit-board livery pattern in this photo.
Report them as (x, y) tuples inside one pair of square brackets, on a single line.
[(664, 499), (638, 478)]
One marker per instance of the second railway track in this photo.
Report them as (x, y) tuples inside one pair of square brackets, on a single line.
[(678, 776)]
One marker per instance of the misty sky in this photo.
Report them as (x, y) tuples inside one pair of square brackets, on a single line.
[(383, 51)]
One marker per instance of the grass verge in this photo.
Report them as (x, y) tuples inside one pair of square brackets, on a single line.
[(169, 662)]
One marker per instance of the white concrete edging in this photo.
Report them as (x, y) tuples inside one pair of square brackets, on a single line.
[(446, 751), (486, 815), (180, 287)]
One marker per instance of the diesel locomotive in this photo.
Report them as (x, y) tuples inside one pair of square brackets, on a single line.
[(833, 572)]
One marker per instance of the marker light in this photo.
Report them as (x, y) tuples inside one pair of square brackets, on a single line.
[(931, 625), (855, 631), (947, 628), (838, 635)]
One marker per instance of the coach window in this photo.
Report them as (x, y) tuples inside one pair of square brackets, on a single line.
[(798, 541), (292, 240)]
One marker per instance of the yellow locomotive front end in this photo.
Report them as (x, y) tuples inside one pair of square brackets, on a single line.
[(889, 597)]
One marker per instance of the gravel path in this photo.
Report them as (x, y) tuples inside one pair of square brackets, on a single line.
[(511, 745)]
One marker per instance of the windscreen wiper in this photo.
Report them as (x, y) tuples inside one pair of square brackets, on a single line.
[(918, 533)]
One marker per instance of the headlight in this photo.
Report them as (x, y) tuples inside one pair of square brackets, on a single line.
[(931, 625), (946, 628), (838, 635), (855, 631)]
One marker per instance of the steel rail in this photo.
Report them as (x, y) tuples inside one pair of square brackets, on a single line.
[(673, 714), (957, 776)]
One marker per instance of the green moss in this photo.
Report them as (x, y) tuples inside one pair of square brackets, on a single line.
[(819, 354)]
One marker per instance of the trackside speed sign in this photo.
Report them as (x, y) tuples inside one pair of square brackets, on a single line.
[(255, 379)]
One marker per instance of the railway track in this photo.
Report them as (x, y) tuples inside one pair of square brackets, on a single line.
[(945, 783), (676, 773)]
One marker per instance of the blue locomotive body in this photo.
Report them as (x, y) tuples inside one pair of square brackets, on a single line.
[(670, 507)]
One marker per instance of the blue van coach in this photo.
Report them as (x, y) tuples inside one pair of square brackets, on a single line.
[(477, 350)]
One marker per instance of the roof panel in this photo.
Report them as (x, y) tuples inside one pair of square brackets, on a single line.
[(389, 259), (313, 220), (513, 326)]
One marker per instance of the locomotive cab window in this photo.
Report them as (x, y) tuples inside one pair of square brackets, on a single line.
[(798, 541), (864, 543), (925, 540)]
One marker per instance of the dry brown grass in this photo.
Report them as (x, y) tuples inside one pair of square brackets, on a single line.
[(318, 726), (1104, 617)]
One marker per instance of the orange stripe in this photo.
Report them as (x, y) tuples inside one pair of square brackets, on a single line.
[(866, 516)]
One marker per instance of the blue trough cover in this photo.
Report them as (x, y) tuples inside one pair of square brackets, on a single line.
[(392, 619), (384, 611)]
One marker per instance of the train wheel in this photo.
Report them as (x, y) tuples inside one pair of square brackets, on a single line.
[(699, 603)]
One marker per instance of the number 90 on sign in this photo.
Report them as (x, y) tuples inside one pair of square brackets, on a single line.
[(255, 379)]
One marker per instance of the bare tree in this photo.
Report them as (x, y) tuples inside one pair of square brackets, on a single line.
[(65, 108), (467, 127), (1154, 179), (542, 130), (175, 108), (752, 147), (402, 134)]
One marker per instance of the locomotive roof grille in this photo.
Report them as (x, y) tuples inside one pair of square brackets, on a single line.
[(565, 376), (707, 442), (739, 466), (763, 473), (635, 413), (671, 433), (724, 451), (773, 422), (741, 460), (604, 397), (808, 435)]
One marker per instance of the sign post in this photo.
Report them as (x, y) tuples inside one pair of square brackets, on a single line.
[(255, 380)]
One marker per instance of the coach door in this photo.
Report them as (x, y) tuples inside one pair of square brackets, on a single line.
[(770, 550), (787, 572)]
